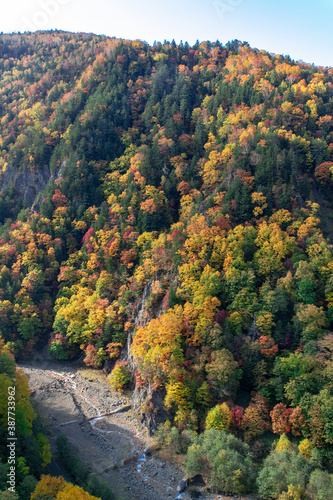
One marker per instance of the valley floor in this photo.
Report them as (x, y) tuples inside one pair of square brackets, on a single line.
[(79, 403)]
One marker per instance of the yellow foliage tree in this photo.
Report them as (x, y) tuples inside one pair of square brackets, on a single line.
[(48, 486), (274, 246), (259, 200), (219, 417), (313, 321), (157, 346), (177, 394), (305, 448), (71, 492), (293, 493), (283, 444)]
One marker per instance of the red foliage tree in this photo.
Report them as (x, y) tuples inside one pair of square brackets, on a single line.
[(323, 173), (297, 421), (90, 359), (237, 415), (268, 347), (88, 235), (280, 419), (59, 199)]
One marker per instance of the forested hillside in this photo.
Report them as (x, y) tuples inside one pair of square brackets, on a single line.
[(202, 178)]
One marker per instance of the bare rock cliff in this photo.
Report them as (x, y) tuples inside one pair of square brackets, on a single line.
[(28, 185)]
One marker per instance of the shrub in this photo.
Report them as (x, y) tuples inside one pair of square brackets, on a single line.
[(120, 376), (58, 348), (177, 442)]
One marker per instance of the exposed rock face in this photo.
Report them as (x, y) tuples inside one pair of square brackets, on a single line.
[(146, 401), (28, 184), (140, 319)]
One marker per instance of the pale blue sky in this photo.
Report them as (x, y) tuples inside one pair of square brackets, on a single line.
[(300, 28)]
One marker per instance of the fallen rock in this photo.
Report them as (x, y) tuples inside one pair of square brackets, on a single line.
[(129, 460), (149, 449), (182, 485)]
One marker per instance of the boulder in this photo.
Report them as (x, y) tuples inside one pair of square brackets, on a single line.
[(182, 485)]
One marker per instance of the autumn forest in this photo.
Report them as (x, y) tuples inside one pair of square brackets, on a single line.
[(193, 184)]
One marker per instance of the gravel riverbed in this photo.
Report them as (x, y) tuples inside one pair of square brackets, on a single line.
[(105, 431)]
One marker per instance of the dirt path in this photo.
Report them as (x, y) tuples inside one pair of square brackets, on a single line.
[(102, 428)]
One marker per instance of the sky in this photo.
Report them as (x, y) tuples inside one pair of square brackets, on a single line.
[(299, 28)]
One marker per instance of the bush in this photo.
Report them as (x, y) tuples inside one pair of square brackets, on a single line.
[(178, 442), (120, 376), (58, 348), (162, 433)]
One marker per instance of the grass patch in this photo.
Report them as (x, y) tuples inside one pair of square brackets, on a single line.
[(92, 375)]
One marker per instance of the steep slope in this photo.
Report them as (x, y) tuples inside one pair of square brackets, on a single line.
[(178, 235)]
